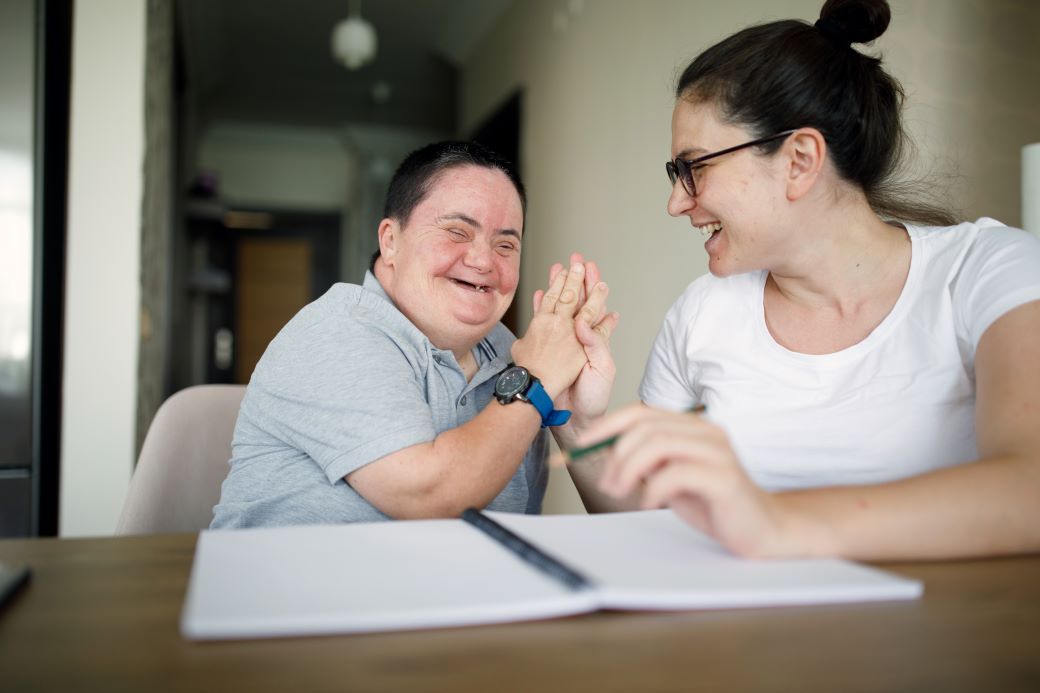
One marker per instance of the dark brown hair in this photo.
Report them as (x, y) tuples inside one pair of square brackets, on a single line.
[(789, 74)]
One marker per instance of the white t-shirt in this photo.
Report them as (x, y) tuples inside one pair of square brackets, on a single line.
[(897, 404)]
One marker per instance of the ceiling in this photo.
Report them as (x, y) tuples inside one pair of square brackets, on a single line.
[(270, 61)]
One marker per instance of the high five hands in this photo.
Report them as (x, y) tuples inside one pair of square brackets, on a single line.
[(567, 343)]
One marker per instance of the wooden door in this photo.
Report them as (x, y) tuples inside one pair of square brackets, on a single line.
[(273, 283)]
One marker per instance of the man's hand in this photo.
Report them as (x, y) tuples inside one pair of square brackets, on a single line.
[(550, 349), (587, 397)]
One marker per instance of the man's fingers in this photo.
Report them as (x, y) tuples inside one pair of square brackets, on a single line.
[(568, 300), (554, 271), (552, 296), (537, 300)]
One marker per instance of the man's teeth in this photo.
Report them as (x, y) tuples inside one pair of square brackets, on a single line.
[(709, 229), (479, 288)]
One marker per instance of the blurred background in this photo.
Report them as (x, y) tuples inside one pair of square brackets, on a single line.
[(179, 177)]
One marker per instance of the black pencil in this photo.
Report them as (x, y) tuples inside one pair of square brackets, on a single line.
[(526, 551)]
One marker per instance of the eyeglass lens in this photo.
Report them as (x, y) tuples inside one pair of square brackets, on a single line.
[(679, 169)]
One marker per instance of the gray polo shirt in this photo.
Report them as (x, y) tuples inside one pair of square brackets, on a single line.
[(348, 381)]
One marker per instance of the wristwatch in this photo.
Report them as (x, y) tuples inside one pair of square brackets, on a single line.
[(517, 383)]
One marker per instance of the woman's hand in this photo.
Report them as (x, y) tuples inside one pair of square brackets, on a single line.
[(686, 463)]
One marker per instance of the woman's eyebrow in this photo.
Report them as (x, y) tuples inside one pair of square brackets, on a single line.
[(691, 153)]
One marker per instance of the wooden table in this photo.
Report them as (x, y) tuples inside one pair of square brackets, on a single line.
[(102, 614)]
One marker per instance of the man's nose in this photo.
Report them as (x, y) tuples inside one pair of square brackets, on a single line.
[(478, 255)]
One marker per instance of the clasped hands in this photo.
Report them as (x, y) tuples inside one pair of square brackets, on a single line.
[(567, 343)]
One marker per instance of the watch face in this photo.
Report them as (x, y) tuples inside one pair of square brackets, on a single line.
[(511, 381)]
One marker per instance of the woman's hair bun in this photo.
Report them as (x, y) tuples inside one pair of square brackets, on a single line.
[(854, 21)]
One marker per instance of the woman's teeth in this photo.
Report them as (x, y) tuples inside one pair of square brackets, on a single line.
[(709, 229)]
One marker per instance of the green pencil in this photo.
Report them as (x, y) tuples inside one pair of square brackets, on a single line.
[(577, 453)]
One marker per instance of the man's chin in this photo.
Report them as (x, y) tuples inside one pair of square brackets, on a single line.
[(483, 322)]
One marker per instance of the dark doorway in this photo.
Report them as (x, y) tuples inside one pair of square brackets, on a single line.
[(250, 273)]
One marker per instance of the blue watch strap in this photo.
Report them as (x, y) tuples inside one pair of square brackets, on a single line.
[(541, 400)]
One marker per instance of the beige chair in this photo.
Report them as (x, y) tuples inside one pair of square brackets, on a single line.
[(183, 462)]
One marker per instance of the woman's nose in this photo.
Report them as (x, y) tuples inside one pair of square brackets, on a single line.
[(680, 202)]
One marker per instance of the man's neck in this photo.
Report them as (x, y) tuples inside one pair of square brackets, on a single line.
[(467, 362)]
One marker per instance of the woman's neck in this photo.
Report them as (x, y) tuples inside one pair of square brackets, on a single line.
[(847, 257)]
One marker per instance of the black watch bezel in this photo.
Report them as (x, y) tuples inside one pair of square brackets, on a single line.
[(512, 383)]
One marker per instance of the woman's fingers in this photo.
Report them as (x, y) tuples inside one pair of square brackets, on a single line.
[(592, 276), (607, 325), (679, 479), (595, 305), (651, 446)]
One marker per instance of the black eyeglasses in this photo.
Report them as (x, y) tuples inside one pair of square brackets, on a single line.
[(683, 169)]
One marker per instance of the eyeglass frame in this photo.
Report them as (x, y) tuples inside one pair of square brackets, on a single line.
[(676, 166)]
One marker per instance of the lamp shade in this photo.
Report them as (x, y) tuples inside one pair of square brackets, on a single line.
[(1031, 188), (354, 42)]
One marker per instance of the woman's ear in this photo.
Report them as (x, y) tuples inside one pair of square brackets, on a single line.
[(806, 150), (387, 234)]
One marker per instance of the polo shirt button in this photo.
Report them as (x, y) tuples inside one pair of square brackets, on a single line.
[(463, 400), (438, 359)]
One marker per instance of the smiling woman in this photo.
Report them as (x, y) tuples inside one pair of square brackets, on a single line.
[(868, 368)]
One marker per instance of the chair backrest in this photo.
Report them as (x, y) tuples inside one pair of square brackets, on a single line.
[(183, 462)]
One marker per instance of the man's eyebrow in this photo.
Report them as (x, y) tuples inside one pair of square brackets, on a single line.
[(458, 216), (466, 219)]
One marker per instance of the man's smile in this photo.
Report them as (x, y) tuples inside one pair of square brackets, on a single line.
[(480, 288)]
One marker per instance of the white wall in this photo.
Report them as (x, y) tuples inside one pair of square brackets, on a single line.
[(598, 79), (378, 150), (102, 283), (278, 167), (344, 170)]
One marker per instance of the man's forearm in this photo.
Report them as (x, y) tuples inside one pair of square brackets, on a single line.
[(466, 466)]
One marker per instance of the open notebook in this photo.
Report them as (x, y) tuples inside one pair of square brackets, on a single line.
[(437, 573)]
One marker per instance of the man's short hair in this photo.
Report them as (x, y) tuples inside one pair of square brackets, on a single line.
[(420, 170)]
